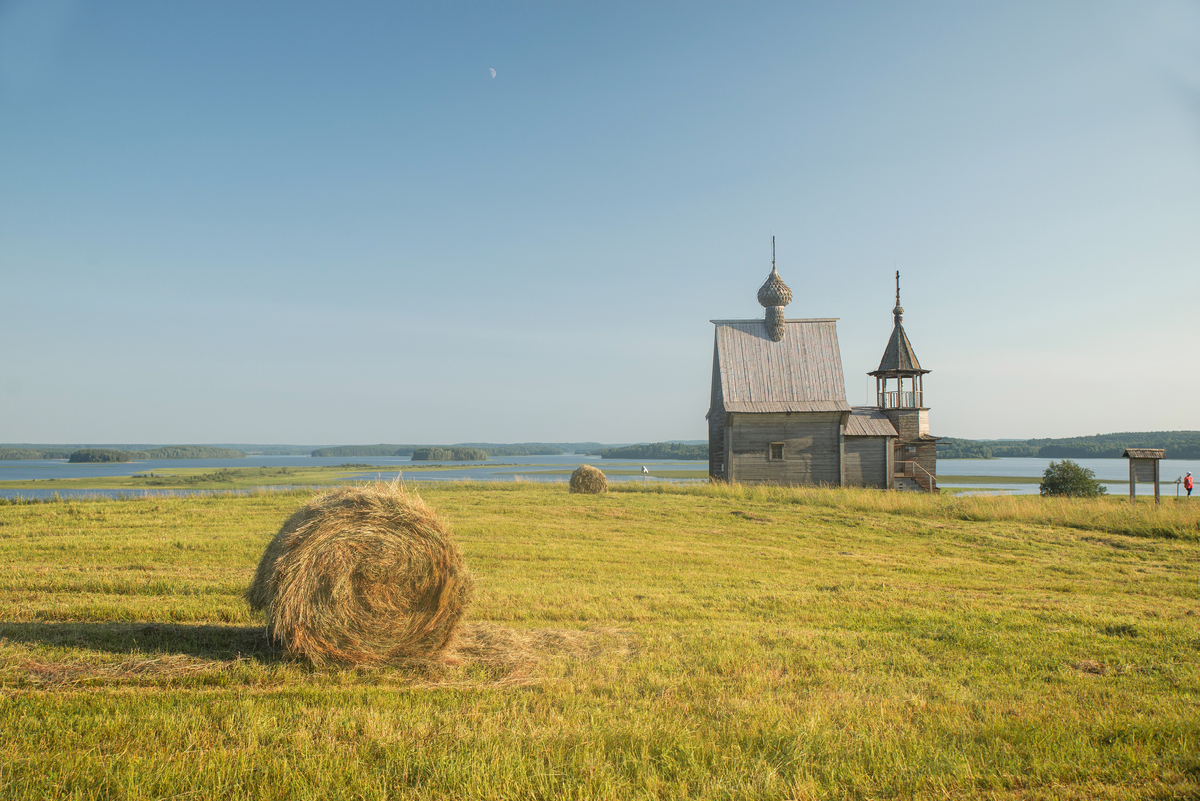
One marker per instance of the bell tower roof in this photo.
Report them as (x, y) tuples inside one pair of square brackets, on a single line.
[(899, 358)]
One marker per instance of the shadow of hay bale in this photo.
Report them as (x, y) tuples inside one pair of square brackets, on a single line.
[(481, 654), (196, 640)]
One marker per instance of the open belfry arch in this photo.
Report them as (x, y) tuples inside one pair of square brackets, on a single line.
[(778, 411)]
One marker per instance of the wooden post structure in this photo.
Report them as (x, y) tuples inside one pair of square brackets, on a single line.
[(1143, 465)]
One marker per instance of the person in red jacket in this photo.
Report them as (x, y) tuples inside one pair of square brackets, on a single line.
[(1187, 483)]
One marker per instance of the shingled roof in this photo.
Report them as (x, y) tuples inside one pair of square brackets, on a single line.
[(899, 356), (800, 373), (869, 421)]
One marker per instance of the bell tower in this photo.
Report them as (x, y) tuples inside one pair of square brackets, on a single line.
[(904, 403)]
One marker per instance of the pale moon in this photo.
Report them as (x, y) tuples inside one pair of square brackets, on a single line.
[(492, 71)]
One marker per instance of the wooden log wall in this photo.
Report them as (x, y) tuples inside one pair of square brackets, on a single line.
[(716, 423), (811, 448), (867, 461), (910, 424)]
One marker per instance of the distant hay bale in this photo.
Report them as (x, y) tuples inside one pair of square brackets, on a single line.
[(362, 575), (588, 480)]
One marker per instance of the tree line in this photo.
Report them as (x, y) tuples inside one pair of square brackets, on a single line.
[(169, 452), (77, 454), (533, 449), (1176, 444), (449, 455), (656, 450)]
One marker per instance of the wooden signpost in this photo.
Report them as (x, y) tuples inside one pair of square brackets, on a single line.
[(1143, 466)]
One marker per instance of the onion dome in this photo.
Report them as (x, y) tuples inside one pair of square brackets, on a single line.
[(774, 292)]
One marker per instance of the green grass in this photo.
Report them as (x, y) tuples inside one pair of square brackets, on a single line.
[(945, 479), (785, 644)]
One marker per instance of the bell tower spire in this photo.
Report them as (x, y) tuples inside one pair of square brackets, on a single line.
[(899, 362), (898, 312), (904, 403)]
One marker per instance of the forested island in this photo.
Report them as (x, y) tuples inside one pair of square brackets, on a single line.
[(449, 455), (1177, 444), (656, 450), (191, 452), (99, 455), (525, 449), (19, 454), (76, 453)]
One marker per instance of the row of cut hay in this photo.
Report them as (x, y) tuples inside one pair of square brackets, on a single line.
[(368, 574), (515, 656)]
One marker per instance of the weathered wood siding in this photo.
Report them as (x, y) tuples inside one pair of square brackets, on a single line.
[(867, 461), (1142, 470), (923, 453), (716, 422), (910, 423), (716, 447), (811, 453)]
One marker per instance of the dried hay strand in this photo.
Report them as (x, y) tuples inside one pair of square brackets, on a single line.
[(588, 480), (362, 575), (500, 656)]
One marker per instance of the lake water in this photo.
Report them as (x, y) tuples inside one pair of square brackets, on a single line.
[(385, 468), (1112, 470), (540, 468)]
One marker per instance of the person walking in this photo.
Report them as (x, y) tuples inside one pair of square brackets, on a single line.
[(1187, 483)]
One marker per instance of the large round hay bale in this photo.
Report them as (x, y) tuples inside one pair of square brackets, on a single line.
[(589, 480), (362, 575)]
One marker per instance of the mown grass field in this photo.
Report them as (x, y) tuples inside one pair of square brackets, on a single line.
[(707, 642)]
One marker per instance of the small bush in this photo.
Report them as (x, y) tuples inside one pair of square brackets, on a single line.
[(588, 480), (1068, 479)]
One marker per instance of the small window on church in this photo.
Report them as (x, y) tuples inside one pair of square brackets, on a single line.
[(776, 451)]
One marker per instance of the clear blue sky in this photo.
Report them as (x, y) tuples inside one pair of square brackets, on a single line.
[(328, 223)]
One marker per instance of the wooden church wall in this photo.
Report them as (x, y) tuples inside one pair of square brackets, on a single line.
[(716, 445), (811, 448), (867, 461)]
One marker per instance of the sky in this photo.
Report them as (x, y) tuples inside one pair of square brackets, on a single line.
[(294, 222)]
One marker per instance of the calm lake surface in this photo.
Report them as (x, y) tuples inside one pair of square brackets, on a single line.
[(384, 468), (1106, 470), (540, 468)]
